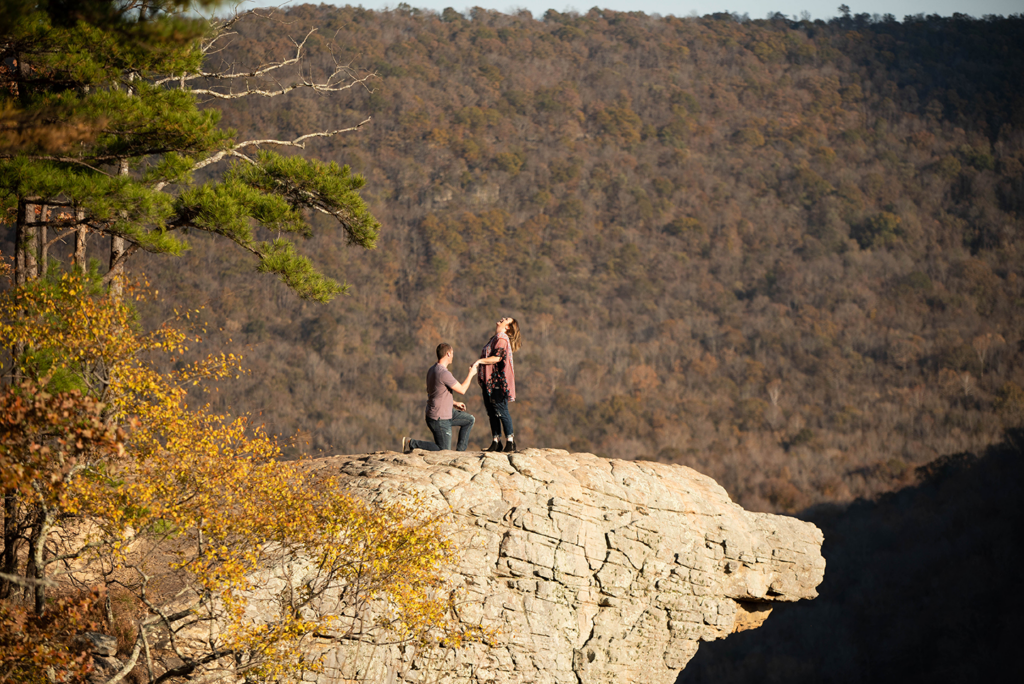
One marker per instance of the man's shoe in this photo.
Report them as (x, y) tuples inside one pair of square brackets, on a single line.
[(495, 446), (510, 446), (405, 445)]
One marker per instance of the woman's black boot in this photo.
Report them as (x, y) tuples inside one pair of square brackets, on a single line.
[(495, 445)]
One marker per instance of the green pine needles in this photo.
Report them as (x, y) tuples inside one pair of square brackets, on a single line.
[(101, 133)]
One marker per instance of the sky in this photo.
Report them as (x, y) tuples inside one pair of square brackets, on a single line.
[(756, 9)]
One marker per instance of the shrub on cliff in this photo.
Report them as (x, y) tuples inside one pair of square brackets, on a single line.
[(114, 485)]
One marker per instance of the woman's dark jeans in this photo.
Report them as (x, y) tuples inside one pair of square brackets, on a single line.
[(442, 431), (497, 413)]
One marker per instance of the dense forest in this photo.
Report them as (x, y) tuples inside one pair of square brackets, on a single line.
[(784, 253)]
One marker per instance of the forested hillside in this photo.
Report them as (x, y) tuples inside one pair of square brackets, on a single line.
[(786, 254)]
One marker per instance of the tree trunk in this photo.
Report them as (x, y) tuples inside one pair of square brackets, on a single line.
[(10, 556), (81, 234), (117, 270), (26, 267), (117, 249), (37, 557), (25, 245), (41, 237)]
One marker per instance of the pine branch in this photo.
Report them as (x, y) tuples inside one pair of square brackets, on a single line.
[(64, 160)]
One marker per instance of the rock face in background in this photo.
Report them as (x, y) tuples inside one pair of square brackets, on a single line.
[(591, 570)]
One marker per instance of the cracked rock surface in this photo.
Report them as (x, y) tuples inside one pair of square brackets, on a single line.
[(592, 570)]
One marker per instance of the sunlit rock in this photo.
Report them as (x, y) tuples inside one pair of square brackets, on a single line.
[(588, 570)]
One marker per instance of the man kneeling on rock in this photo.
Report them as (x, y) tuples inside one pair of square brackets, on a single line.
[(443, 412)]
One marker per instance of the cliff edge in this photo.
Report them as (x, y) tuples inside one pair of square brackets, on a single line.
[(589, 570)]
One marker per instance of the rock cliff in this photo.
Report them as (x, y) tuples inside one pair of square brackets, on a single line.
[(590, 570)]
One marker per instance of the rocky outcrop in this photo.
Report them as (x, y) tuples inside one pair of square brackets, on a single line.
[(103, 649), (589, 570)]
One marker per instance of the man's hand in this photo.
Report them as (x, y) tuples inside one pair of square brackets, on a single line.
[(464, 385), (459, 405)]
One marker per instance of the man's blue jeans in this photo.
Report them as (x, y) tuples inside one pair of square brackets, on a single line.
[(442, 431)]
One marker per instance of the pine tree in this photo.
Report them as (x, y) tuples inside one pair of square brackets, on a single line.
[(101, 133)]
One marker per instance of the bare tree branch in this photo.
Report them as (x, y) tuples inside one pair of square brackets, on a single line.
[(327, 86), (59, 238), (299, 142), (132, 659), (339, 80), (190, 666), (27, 581), (255, 73), (76, 554), (121, 258)]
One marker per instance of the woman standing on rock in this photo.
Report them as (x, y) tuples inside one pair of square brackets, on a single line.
[(498, 381)]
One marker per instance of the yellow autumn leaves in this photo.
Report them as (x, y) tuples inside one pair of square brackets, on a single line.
[(234, 560)]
